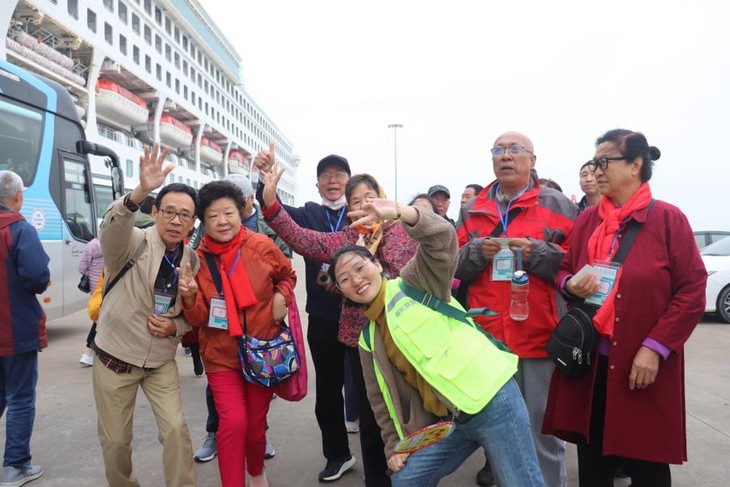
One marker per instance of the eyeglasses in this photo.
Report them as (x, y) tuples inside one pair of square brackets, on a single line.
[(347, 279), (170, 215), (603, 162), (513, 149), (337, 176)]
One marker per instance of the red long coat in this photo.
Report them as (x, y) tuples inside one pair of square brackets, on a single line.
[(661, 295)]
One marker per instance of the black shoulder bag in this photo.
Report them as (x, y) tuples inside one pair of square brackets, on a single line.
[(575, 339)]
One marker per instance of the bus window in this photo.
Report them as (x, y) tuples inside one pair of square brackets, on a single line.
[(103, 199), (20, 134), (77, 210)]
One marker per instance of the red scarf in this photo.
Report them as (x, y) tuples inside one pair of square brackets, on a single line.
[(601, 241), (237, 289)]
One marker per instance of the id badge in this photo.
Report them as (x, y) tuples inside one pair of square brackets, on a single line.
[(218, 317), (503, 265), (162, 303), (607, 272)]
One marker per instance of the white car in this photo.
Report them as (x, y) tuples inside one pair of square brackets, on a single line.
[(716, 257)]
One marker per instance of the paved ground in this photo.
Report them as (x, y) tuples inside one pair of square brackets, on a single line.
[(65, 441)]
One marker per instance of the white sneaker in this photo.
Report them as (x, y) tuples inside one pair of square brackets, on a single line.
[(87, 360), (352, 426)]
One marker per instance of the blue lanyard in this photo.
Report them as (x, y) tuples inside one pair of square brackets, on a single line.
[(233, 266), (615, 239), (339, 219), (172, 264), (504, 217)]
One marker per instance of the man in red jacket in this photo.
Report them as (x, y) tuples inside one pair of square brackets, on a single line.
[(23, 274), (513, 212)]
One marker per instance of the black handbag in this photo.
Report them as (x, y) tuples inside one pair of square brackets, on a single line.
[(84, 284), (575, 339)]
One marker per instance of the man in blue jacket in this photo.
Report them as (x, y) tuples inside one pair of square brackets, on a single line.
[(323, 309), (23, 274)]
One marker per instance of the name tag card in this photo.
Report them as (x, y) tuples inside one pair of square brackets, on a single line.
[(218, 317)]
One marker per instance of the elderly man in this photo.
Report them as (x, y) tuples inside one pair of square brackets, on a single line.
[(323, 309), (141, 323), (538, 221), (23, 274), (441, 197)]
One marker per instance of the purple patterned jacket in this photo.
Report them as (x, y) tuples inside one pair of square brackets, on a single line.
[(395, 250)]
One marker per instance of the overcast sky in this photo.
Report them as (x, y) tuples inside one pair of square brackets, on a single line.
[(333, 75)]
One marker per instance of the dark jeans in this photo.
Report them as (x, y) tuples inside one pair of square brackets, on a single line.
[(328, 356), (371, 443), (18, 378), (352, 407), (595, 469), (211, 424)]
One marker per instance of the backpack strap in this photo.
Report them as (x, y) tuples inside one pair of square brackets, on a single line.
[(632, 230), (130, 263)]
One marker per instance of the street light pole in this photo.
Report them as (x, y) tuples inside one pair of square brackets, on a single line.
[(395, 127)]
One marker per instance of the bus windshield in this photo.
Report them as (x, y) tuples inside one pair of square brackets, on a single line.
[(20, 138)]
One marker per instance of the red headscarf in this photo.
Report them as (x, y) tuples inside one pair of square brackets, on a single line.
[(237, 289), (601, 241)]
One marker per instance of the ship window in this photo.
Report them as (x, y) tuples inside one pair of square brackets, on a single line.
[(158, 43), (73, 8), (91, 19), (148, 6), (108, 35), (168, 52), (168, 26), (168, 79), (135, 24), (158, 16), (177, 86), (177, 35), (122, 12), (185, 91), (185, 43), (135, 54), (123, 44), (148, 63), (130, 168), (148, 34), (177, 60), (158, 70), (109, 4), (185, 67)]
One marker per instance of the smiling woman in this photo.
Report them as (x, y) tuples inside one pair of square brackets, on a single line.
[(640, 360)]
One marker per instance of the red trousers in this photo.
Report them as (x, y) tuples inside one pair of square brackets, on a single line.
[(242, 409)]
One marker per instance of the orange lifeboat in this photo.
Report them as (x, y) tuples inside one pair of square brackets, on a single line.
[(238, 162), (210, 152), (174, 133), (119, 106)]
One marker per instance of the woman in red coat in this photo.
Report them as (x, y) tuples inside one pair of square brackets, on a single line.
[(630, 405)]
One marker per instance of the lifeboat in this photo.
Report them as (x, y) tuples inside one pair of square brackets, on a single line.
[(119, 106), (174, 133), (237, 162), (210, 152)]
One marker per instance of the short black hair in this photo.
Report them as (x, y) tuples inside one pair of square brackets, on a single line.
[(359, 179), (147, 204), (632, 145), (177, 188), (550, 184), (216, 190), (476, 187), (356, 249)]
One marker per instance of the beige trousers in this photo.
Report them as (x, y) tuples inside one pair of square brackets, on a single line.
[(115, 396)]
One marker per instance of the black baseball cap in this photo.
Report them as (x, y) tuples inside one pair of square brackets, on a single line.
[(333, 160), (439, 189)]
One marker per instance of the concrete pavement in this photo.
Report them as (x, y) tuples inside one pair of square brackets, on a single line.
[(66, 445)]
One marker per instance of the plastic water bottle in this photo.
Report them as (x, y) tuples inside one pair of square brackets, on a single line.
[(520, 289)]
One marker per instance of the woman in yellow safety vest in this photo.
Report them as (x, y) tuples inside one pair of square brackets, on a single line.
[(421, 365)]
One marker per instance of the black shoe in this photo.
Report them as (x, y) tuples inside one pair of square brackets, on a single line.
[(485, 476), (197, 362), (335, 469)]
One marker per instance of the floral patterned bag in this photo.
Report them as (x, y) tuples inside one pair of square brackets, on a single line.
[(268, 362)]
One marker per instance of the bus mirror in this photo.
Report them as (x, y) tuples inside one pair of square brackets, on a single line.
[(89, 148)]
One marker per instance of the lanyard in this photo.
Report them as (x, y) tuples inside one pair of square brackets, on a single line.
[(504, 217), (172, 264), (615, 239), (233, 266), (339, 219)]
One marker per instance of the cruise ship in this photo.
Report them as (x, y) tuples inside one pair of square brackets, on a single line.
[(146, 70)]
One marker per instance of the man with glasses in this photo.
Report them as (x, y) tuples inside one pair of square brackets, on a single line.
[(323, 308), (141, 323), (515, 212)]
